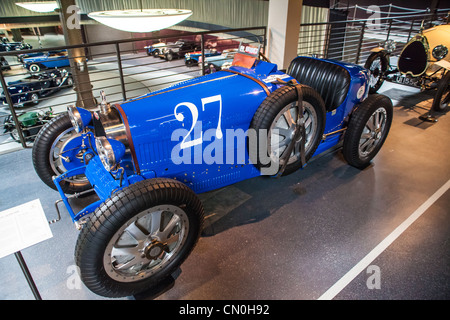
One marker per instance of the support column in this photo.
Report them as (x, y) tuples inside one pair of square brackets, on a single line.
[(283, 30), (78, 65)]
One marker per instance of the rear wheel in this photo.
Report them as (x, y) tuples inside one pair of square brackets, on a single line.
[(368, 128), (138, 237), (377, 64), (442, 97)]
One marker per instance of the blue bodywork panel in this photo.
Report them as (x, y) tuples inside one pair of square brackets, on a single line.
[(183, 132)]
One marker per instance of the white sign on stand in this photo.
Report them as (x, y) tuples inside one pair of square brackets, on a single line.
[(20, 228)]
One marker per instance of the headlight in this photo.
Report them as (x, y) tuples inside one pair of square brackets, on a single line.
[(79, 117), (105, 152), (439, 52), (109, 151)]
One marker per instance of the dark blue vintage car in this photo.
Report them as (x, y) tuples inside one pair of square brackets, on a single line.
[(55, 59), (30, 89), (5, 45), (22, 56), (149, 157)]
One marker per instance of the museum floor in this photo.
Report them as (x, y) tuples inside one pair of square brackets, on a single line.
[(289, 238)]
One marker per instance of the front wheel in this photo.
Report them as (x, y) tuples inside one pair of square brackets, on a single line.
[(57, 149), (368, 128), (377, 64), (442, 97), (138, 237)]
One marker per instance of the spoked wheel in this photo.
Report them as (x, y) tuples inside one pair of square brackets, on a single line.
[(442, 97), (57, 149), (283, 128), (377, 65), (368, 128), (277, 114), (138, 237)]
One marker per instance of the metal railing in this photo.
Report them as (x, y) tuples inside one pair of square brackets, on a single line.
[(124, 69), (352, 40)]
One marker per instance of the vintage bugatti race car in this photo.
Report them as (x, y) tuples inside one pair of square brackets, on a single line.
[(149, 157), (424, 62)]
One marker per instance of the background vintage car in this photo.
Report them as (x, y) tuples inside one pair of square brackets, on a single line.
[(155, 49), (217, 63), (192, 58), (424, 62), (22, 56), (5, 45), (47, 61), (178, 49), (30, 89)]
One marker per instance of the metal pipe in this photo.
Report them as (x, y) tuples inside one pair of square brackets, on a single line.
[(11, 109)]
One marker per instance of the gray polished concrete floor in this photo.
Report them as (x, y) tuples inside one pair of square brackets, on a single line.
[(289, 238)]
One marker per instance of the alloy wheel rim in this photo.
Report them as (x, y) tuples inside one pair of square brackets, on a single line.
[(146, 243), (373, 132), (282, 131)]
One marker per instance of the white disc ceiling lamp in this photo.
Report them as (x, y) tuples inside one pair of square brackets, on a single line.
[(141, 20), (39, 6)]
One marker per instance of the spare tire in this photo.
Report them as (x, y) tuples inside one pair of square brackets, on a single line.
[(276, 116)]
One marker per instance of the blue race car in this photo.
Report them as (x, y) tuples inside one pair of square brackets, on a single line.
[(149, 157), (30, 89), (55, 59), (193, 58)]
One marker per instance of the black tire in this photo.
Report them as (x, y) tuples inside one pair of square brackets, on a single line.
[(190, 62), (116, 219), (364, 137), (442, 98), (169, 56), (43, 148), (377, 64), (271, 109)]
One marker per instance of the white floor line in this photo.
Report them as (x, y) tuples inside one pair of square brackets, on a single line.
[(365, 262)]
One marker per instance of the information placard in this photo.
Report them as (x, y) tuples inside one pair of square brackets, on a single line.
[(246, 55), (22, 227)]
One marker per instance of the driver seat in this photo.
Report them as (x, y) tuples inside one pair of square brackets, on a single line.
[(330, 80)]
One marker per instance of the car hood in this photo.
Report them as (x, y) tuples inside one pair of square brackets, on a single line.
[(226, 98)]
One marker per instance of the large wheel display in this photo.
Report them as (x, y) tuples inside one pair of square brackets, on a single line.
[(368, 128), (277, 114), (377, 64), (138, 237), (57, 149), (442, 97)]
